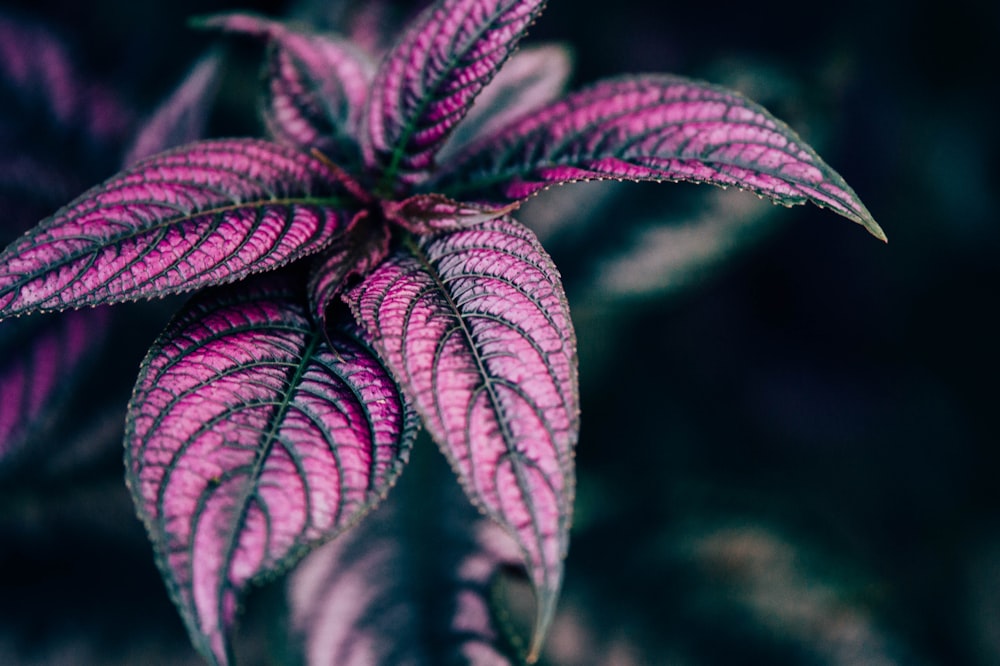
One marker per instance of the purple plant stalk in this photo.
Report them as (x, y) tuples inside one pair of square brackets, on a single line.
[(273, 413)]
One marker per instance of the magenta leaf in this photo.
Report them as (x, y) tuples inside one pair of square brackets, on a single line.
[(414, 583), (39, 360), (250, 440), (533, 77), (203, 214), (475, 326), (430, 213), (428, 82), (316, 84), (655, 127), (352, 255), (180, 118)]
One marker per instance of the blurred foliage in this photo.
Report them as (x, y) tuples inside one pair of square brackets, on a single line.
[(789, 458)]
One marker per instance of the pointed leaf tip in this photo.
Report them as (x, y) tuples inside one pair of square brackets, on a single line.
[(475, 326), (654, 127), (429, 81), (251, 440)]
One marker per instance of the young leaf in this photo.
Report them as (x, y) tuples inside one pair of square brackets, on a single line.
[(316, 85), (250, 440), (182, 116), (39, 358), (412, 584), (204, 214), (534, 76), (428, 82), (430, 213), (475, 326), (655, 127)]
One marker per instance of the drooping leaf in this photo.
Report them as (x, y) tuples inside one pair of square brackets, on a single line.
[(316, 85), (411, 584), (655, 127), (39, 360), (533, 77), (351, 255), (250, 440), (182, 116), (429, 80), (430, 213), (475, 326), (203, 214)]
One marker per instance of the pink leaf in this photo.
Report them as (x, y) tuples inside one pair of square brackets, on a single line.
[(475, 326), (368, 599), (182, 116), (428, 82), (430, 213), (316, 84), (204, 214), (250, 440), (655, 127), (533, 77)]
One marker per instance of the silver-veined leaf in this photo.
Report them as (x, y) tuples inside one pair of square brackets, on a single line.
[(655, 127), (475, 326), (429, 80), (249, 440), (199, 215)]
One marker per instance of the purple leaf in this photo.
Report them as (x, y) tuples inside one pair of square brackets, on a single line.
[(352, 255), (204, 214), (316, 84), (533, 77), (39, 359), (430, 213), (369, 599), (428, 82), (250, 440), (38, 75), (182, 116), (475, 326), (655, 127)]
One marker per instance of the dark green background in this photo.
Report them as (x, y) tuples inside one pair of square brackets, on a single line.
[(793, 460)]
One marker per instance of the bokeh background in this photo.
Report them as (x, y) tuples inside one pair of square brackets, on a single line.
[(789, 437)]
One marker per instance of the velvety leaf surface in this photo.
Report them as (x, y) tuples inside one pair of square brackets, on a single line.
[(249, 440), (531, 78), (429, 80), (655, 127), (200, 215), (39, 359), (475, 326), (316, 85), (411, 584), (182, 116)]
